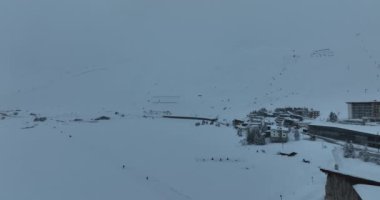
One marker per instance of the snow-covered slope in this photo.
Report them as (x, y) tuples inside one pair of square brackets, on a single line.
[(82, 59), (180, 160), (254, 53)]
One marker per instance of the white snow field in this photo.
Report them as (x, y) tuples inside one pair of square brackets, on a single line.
[(78, 160), (210, 58), (163, 159)]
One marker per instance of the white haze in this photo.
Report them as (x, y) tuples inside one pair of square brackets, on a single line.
[(221, 49)]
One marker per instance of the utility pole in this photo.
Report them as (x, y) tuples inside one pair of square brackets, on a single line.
[(378, 143)]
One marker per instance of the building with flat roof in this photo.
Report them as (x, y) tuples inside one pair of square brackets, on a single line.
[(358, 134), (364, 110)]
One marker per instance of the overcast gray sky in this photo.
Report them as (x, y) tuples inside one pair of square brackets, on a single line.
[(236, 44)]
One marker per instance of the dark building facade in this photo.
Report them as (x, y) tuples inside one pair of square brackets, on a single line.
[(364, 110), (345, 135)]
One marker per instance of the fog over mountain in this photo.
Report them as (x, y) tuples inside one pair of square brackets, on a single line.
[(84, 54), (84, 85)]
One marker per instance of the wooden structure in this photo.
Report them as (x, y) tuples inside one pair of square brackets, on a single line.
[(340, 186)]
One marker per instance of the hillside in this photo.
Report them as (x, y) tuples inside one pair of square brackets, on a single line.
[(163, 159), (83, 59), (254, 53)]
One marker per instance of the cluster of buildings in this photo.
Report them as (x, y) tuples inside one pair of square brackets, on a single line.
[(362, 126), (263, 126)]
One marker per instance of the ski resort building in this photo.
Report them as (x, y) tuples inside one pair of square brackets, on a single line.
[(278, 134), (364, 110), (358, 134)]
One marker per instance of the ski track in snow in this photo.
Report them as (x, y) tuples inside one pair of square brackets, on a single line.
[(163, 189), (90, 71)]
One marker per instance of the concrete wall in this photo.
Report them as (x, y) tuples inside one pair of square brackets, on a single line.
[(349, 111)]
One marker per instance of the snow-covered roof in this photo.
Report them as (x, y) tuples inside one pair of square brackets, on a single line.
[(375, 130), (358, 168), (368, 192), (270, 119)]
